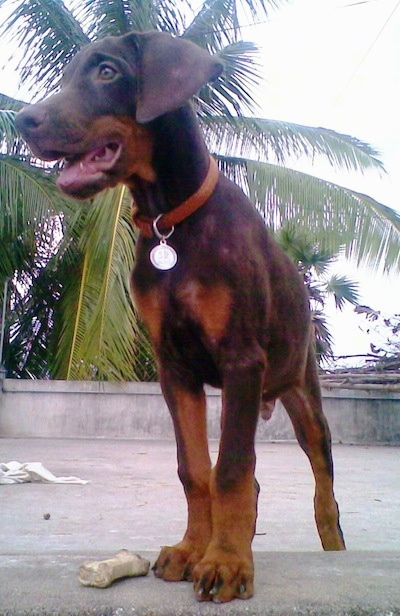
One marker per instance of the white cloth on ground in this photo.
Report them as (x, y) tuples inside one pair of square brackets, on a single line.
[(28, 472)]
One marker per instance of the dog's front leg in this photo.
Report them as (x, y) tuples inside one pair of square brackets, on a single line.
[(188, 411), (227, 571)]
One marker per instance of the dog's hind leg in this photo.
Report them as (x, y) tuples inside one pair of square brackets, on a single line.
[(304, 406), (188, 412)]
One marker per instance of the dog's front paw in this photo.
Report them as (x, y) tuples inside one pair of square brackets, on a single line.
[(223, 575), (176, 563)]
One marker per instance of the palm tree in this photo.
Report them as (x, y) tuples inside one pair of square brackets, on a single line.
[(87, 265), (313, 263), (34, 232)]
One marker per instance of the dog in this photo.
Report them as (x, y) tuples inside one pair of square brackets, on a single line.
[(221, 301)]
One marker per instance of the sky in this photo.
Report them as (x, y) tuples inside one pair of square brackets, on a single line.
[(336, 64)]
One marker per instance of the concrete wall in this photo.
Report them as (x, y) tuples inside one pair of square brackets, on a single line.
[(137, 410)]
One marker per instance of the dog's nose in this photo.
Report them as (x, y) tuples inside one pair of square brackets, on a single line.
[(29, 119)]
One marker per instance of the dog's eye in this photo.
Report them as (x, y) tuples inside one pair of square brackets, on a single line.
[(107, 72)]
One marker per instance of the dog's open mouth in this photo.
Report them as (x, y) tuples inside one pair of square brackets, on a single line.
[(78, 172)]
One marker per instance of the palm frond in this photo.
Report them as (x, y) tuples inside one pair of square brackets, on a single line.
[(8, 134), (335, 217), (320, 260), (17, 252), (101, 18), (234, 92), (323, 337), (171, 16), (262, 6), (9, 103), (28, 196), (98, 335), (48, 35), (11, 142), (217, 23), (303, 251), (35, 295), (343, 290), (271, 140)]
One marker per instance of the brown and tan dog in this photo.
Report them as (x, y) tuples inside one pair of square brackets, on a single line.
[(221, 301)]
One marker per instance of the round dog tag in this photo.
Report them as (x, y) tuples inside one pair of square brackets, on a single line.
[(163, 256)]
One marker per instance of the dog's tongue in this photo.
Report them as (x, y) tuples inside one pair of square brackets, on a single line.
[(90, 164)]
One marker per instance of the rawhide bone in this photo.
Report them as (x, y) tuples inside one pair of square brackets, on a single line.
[(103, 573)]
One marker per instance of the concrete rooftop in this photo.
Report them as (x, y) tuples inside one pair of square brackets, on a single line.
[(134, 501)]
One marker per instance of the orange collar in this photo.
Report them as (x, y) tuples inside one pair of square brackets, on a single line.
[(182, 211)]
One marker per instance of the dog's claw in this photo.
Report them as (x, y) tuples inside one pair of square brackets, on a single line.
[(217, 585), (242, 589)]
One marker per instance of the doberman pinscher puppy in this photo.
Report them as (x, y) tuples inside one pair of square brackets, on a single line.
[(222, 303)]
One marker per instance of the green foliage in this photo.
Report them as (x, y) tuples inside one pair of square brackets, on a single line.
[(49, 35), (313, 262), (98, 332), (264, 139), (69, 262), (340, 219)]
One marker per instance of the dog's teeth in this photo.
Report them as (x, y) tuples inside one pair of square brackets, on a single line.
[(81, 166)]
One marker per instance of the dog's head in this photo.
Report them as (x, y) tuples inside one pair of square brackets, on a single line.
[(98, 123)]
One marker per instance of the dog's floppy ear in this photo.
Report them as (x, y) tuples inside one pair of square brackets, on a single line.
[(172, 70)]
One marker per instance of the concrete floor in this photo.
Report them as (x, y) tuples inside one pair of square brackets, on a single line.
[(134, 501)]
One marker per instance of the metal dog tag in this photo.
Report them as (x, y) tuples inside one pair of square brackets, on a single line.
[(163, 256)]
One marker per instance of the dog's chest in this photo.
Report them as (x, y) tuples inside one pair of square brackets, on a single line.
[(187, 324), (189, 307), (206, 305)]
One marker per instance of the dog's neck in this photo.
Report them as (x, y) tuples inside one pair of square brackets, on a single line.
[(180, 161)]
